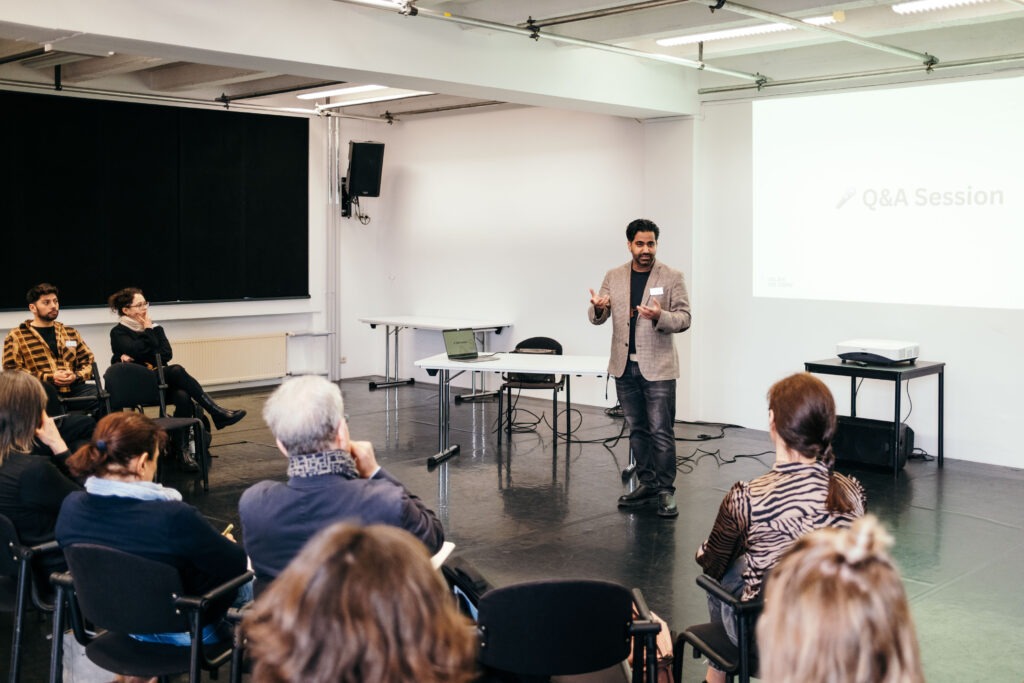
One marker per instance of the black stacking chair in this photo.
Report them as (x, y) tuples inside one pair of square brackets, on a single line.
[(532, 631), (129, 385), (118, 593), (18, 584), (710, 640), (525, 380), (56, 404)]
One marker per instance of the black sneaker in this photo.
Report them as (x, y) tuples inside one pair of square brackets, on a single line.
[(642, 496), (667, 505)]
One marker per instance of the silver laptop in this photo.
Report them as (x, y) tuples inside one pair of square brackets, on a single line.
[(460, 345)]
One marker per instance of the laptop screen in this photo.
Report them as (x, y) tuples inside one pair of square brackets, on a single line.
[(460, 343)]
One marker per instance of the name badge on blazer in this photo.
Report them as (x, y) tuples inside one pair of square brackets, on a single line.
[(71, 343), (657, 291)]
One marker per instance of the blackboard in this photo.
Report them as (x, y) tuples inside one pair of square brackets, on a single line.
[(189, 204)]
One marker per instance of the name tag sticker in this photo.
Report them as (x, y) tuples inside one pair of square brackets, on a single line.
[(71, 343), (657, 291)]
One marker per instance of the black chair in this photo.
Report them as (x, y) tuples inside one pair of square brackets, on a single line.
[(18, 584), (711, 640), (525, 380), (129, 385), (58, 404), (118, 593), (532, 631)]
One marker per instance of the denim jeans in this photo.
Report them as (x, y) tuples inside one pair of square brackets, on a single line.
[(650, 412)]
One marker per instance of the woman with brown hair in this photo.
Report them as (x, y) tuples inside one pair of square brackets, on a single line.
[(360, 605), (758, 520), (123, 508), (835, 610), (137, 339)]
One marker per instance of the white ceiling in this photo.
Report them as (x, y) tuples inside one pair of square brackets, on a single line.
[(987, 37)]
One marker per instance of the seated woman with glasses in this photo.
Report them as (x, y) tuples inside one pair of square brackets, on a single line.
[(137, 339)]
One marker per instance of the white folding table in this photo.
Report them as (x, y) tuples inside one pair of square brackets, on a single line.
[(541, 364)]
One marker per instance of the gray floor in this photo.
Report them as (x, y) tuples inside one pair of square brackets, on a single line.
[(524, 511)]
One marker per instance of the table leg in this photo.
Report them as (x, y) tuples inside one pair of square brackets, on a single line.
[(853, 396), (444, 450), (941, 412), (896, 429), (391, 380)]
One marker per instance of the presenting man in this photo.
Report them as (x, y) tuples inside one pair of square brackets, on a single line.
[(647, 303), (54, 353), (330, 478)]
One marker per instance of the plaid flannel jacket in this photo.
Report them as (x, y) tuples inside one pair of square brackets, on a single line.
[(25, 349)]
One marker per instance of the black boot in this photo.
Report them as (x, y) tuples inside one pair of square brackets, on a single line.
[(222, 417)]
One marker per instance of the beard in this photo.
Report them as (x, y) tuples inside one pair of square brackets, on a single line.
[(51, 316)]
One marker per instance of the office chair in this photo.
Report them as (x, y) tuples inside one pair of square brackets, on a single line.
[(711, 640), (103, 588), (18, 584), (134, 386), (532, 631), (525, 380)]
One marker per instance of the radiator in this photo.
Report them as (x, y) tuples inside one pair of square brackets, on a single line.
[(225, 360)]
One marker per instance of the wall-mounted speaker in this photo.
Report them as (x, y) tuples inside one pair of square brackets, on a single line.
[(860, 441), (365, 163)]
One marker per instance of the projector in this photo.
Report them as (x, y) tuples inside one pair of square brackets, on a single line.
[(878, 351)]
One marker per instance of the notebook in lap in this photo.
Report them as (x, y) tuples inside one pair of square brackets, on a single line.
[(460, 345)]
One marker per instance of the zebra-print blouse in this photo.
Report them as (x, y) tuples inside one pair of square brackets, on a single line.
[(763, 517)]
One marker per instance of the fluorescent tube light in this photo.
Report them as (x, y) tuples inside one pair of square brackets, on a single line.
[(929, 5), (760, 29), (370, 100), (350, 90)]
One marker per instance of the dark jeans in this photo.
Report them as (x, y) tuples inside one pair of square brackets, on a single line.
[(650, 411)]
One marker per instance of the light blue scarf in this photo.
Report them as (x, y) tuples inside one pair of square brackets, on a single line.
[(142, 490)]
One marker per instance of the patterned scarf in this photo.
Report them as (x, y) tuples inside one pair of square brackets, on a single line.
[(329, 462)]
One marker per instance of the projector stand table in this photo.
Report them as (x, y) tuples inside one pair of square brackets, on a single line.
[(892, 373)]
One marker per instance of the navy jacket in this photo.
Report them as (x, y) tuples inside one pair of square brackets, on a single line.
[(278, 518)]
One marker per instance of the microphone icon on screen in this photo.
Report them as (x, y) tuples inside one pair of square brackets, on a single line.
[(846, 197)]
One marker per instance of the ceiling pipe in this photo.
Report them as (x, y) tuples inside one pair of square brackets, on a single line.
[(601, 13), (407, 8), (923, 57), (896, 71), (227, 99)]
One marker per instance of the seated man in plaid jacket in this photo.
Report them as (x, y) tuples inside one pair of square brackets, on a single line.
[(54, 353)]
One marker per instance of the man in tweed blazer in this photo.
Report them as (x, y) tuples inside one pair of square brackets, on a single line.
[(647, 303), (55, 354)]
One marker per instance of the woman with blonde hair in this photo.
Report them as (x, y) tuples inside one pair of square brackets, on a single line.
[(360, 605), (835, 610)]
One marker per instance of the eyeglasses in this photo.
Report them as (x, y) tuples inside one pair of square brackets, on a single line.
[(141, 304)]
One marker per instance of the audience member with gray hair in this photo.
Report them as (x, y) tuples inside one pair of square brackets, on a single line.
[(331, 478)]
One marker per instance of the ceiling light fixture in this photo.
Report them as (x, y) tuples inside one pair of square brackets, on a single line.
[(350, 90), (760, 29), (370, 100), (929, 5)]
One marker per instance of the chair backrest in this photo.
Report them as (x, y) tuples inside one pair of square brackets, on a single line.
[(555, 628), (131, 385), (125, 593), (535, 345)]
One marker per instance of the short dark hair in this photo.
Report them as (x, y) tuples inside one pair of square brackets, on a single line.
[(642, 225), (39, 291)]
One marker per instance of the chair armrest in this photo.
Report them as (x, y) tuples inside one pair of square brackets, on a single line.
[(714, 588), (641, 604), (199, 602)]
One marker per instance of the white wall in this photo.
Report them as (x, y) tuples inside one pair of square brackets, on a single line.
[(744, 344), (512, 213)]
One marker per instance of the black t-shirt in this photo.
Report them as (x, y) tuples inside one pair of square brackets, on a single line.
[(49, 335), (637, 289)]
